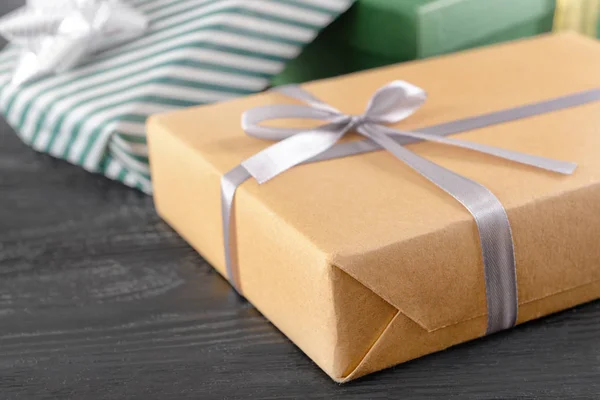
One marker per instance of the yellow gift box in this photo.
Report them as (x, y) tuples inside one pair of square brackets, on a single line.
[(363, 263)]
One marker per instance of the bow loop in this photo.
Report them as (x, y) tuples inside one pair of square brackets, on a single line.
[(252, 119), (295, 150), (395, 102)]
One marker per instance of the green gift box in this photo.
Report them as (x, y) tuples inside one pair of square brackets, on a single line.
[(374, 33)]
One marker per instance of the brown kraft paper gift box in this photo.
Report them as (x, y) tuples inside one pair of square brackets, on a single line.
[(362, 262)]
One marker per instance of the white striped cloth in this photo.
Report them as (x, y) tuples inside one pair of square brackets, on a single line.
[(196, 52)]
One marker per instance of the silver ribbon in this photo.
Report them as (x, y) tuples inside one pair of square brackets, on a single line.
[(389, 105), (57, 35)]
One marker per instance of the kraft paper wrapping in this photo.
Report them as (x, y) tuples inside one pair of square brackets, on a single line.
[(363, 263)]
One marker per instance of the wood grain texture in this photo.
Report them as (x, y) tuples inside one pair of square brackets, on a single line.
[(99, 299)]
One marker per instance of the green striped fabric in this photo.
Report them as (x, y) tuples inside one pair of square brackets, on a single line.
[(196, 52)]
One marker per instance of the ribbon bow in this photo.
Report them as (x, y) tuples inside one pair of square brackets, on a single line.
[(57, 35), (390, 104)]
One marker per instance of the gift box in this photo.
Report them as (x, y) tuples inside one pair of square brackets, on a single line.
[(193, 52), (362, 262), (374, 33)]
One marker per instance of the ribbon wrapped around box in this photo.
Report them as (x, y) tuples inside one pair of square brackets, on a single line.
[(80, 77), (362, 262)]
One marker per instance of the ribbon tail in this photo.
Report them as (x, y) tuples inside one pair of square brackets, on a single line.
[(561, 167), (294, 150), (492, 224)]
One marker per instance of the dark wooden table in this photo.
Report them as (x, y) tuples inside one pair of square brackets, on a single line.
[(99, 299)]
